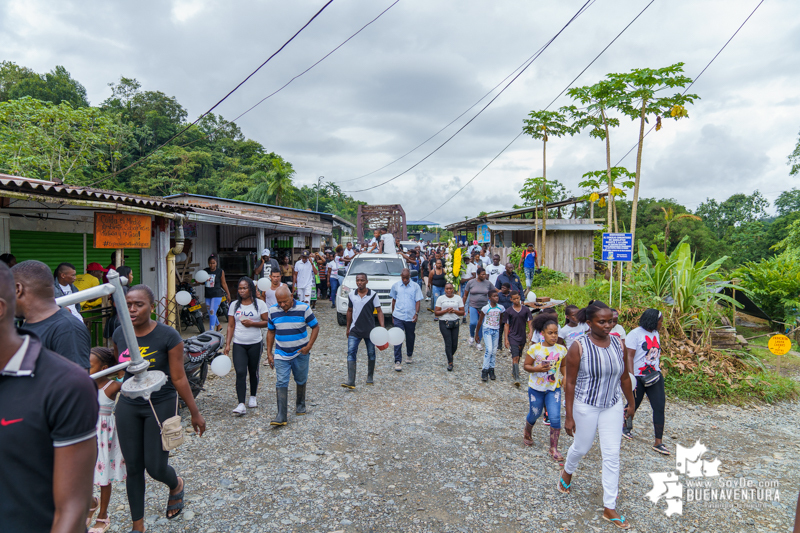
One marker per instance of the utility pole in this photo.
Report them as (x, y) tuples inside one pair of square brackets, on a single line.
[(319, 180)]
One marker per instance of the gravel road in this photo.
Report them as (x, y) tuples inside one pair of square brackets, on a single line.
[(431, 450)]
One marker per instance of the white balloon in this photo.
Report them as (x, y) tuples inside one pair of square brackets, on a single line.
[(379, 336), (183, 297), (396, 336), (264, 284), (201, 276), (221, 365), (531, 297)]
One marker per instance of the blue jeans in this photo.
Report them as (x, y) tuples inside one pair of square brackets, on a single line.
[(334, 287), (297, 366), (529, 273), (435, 293), (421, 282), (550, 399), (473, 324), (352, 348), (490, 338), (213, 304), (409, 328)]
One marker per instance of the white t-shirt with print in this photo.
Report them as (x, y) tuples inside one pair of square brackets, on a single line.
[(648, 350), (570, 333), (491, 319), (493, 272), (242, 334), (619, 331), (444, 302)]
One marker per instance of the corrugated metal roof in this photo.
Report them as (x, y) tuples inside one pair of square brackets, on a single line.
[(57, 190), (555, 227)]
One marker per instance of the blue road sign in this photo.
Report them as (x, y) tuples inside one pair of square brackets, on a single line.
[(618, 247), (626, 256)]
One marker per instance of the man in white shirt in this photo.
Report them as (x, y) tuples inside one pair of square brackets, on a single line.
[(303, 277), (387, 242), (495, 269)]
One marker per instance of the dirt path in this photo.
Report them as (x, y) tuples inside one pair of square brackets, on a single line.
[(429, 450)]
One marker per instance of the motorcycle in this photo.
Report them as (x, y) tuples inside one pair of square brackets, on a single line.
[(198, 352), (192, 314), (222, 310)]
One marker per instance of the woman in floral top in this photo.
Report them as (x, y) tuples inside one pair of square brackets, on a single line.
[(543, 362)]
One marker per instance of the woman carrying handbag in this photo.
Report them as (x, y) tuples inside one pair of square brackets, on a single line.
[(147, 428)]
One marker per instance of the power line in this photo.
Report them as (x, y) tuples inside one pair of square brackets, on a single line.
[(548, 105), (578, 13), (448, 124), (697, 78), (218, 103), (323, 58)]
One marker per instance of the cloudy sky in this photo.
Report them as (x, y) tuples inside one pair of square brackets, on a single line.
[(424, 63)]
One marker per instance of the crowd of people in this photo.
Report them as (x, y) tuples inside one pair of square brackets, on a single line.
[(87, 432)]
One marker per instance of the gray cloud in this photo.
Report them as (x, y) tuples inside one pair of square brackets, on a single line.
[(422, 64)]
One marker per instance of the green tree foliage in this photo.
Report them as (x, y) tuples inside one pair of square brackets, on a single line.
[(788, 202), (48, 131), (775, 284), (794, 159), (56, 86), (739, 209), (55, 142)]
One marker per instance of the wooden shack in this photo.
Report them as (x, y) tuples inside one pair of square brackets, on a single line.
[(570, 241)]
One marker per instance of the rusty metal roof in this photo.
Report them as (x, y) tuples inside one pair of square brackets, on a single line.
[(58, 190)]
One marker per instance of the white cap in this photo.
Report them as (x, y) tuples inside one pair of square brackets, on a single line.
[(264, 252)]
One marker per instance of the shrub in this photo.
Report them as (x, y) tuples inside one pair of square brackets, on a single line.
[(774, 284)]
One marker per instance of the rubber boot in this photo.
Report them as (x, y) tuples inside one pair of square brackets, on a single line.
[(370, 371), (554, 434), (280, 419), (527, 439), (351, 376), (515, 372), (300, 409), (491, 374)]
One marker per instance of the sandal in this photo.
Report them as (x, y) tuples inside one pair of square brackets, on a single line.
[(103, 529), (565, 489), (618, 522), (92, 510), (175, 506), (557, 457), (660, 448)]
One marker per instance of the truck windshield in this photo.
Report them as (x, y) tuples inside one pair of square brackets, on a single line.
[(376, 267)]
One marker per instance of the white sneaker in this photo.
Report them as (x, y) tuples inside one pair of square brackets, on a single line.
[(240, 409), (253, 402), (478, 347), (471, 341)]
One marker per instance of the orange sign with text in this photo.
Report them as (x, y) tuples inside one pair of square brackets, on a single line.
[(119, 230)]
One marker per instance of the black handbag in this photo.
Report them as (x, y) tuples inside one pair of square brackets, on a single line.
[(651, 377)]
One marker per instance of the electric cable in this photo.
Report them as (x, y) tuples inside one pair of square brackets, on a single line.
[(697, 78), (217, 104), (548, 105), (583, 7), (635, 145)]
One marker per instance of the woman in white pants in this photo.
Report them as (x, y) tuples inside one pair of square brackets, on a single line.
[(595, 371)]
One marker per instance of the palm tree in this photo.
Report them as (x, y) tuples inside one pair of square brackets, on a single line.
[(669, 218), (274, 185)]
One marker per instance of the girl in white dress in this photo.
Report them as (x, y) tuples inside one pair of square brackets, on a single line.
[(110, 465)]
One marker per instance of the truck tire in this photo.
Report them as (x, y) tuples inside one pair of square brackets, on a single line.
[(341, 319)]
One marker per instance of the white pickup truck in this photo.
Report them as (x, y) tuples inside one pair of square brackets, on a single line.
[(382, 270)]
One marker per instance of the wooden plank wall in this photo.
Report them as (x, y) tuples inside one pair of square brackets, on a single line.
[(563, 249)]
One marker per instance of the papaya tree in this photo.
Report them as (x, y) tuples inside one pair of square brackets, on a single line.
[(645, 96), (541, 125), (598, 180)]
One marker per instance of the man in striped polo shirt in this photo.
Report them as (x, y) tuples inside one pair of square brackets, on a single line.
[(287, 324)]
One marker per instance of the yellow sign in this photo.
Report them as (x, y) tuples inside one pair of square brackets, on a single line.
[(780, 345)]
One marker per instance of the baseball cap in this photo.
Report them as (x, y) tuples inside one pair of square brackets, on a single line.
[(95, 266), (475, 241), (305, 253), (264, 252)]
